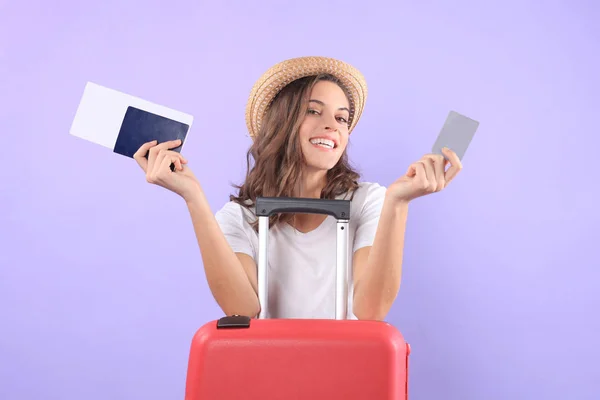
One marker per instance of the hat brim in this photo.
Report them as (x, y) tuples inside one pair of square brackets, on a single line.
[(277, 77)]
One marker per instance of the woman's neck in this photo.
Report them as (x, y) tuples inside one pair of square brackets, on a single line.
[(312, 184)]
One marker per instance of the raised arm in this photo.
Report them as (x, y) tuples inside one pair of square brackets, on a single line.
[(378, 269), (231, 277)]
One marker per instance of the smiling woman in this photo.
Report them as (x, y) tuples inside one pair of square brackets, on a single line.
[(300, 115)]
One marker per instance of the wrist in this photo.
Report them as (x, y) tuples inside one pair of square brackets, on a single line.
[(395, 200), (193, 196), (394, 208)]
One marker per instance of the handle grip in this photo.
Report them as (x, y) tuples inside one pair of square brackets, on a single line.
[(267, 206)]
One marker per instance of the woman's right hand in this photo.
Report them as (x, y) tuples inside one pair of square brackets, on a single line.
[(157, 168)]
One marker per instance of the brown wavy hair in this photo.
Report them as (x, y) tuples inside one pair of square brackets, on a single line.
[(277, 155)]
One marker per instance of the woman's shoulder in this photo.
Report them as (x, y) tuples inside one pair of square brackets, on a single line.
[(366, 192), (236, 212), (370, 189), (367, 199)]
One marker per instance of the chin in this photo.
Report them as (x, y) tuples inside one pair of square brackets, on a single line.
[(321, 165), (321, 160)]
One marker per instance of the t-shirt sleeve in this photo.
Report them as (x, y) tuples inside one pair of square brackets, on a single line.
[(231, 221), (368, 218)]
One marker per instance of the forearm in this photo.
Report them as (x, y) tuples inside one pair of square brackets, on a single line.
[(225, 275), (378, 286)]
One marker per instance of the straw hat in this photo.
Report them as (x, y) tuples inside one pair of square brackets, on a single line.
[(283, 73)]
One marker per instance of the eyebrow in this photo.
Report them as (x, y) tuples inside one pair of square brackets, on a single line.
[(323, 104)]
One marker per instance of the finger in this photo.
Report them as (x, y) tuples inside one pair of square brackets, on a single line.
[(140, 155), (170, 156), (412, 169), (438, 169), (430, 172), (161, 166), (455, 164), (160, 147), (170, 153), (179, 165), (421, 176), (171, 144)]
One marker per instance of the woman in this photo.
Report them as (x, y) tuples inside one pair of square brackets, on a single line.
[(300, 115)]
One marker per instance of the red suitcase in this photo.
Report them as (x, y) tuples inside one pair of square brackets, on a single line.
[(238, 358)]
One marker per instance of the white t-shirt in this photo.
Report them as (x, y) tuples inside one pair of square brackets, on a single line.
[(301, 276)]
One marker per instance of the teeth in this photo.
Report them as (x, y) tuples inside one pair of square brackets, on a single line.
[(323, 142)]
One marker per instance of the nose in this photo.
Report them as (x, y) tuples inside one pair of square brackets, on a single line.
[(330, 123)]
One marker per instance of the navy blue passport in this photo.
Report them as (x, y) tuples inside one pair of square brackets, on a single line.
[(141, 126)]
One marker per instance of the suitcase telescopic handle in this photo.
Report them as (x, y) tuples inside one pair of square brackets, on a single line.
[(339, 209), (267, 206)]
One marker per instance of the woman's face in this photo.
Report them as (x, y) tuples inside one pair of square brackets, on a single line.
[(324, 132)]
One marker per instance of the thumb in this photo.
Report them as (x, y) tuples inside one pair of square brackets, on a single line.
[(412, 171)]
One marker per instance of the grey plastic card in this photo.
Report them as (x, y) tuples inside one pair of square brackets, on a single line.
[(456, 134)]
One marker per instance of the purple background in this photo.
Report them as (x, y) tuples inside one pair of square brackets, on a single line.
[(101, 281)]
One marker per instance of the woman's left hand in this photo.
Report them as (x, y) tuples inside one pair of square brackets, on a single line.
[(428, 175)]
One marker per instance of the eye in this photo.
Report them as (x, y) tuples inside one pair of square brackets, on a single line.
[(312, 111), (342, 119)]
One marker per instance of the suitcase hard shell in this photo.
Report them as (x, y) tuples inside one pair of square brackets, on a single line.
[(241, 358)]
